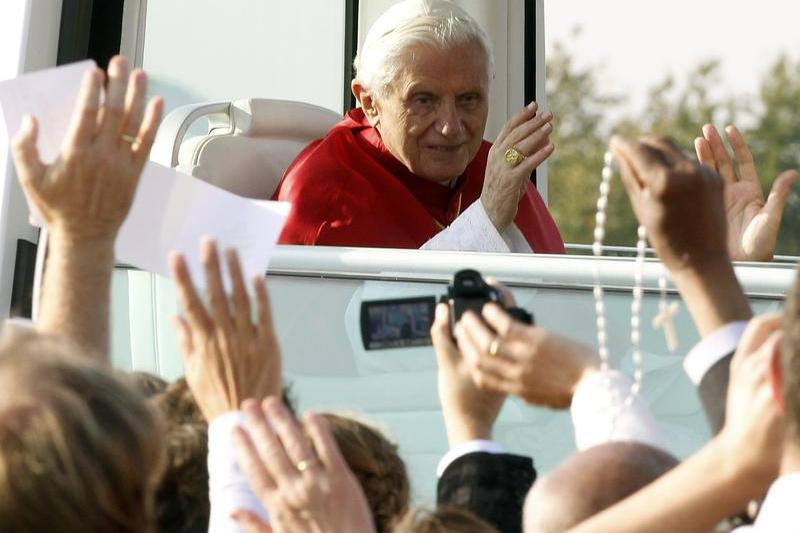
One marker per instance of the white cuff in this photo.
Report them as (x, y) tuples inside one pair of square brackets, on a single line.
[(471, 231), (593, 410), (472, 446), (228, 489), (711, 349)]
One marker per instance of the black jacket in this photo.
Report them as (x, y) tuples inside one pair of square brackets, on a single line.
[(491, 486)]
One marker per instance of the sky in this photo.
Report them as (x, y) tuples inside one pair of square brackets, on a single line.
[(637, 42)]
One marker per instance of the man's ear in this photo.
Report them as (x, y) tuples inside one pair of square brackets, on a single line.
[(776, 376), (368, 103)]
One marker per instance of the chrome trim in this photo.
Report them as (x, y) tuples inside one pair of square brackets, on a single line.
[(516, 270), (134, 25)]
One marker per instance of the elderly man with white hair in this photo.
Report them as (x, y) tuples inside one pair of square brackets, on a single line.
[(409, 168)]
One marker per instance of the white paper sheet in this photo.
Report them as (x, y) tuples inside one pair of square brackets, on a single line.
[(171, 211), (49, 95)]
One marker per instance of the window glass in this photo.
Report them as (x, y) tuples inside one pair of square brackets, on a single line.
[(207, 50), (667, 68)]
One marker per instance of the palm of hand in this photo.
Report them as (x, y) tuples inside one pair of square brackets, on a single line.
[(752, 232)]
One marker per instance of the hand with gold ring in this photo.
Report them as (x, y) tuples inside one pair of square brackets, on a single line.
[(523, 144), (84, 196), (514, 157), (507, 356), (494, 347), (300, 476), (87, 192)]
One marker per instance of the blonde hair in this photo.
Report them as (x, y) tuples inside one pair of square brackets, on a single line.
[(437, 23), (79, 449)]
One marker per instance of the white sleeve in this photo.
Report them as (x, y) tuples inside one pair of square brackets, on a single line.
[(711, 349), (593, 410), (463, 449), (471, 231), (228, 489)]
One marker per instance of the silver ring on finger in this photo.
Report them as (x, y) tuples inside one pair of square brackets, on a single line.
[(130, 139)]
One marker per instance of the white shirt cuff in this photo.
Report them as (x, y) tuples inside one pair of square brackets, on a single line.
[(711, 349), (228, 488), (472, 446), (471, 231), (593, 409)]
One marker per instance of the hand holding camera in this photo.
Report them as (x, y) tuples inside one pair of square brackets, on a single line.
[(406, 322)]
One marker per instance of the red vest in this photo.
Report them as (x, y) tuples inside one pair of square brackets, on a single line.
[(349, 190)]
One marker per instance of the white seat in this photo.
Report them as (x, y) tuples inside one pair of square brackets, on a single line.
[(248, 144)]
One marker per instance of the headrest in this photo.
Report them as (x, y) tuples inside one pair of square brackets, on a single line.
[(250, 156)]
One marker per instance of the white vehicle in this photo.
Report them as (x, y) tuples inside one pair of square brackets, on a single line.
[(226, 70)]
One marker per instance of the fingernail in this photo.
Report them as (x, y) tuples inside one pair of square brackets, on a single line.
[(547, 128), (533, 105), (547, 115)]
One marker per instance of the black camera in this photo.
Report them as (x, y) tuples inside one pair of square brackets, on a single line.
[(406, 322), (468, 292)]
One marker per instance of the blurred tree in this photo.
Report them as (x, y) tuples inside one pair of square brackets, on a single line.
[(584, 123), (775, 141), (580, 138)]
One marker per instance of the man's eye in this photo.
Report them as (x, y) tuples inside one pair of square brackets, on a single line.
[(470, 100), (423, 100)]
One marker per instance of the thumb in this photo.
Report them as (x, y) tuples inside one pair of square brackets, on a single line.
[(776, 201), (250, 521), (30, 168), (446, 350)]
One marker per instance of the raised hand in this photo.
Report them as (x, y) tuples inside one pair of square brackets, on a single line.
[(538, 366), (305, 484), (228, 358), (753, 222), (507, 174), (84, 197), (680, 202), (469, 412), (87, 192), (752, 436)]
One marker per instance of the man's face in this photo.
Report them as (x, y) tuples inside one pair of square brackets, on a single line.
[(435, 112)]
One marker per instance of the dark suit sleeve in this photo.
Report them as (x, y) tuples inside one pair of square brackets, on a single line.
[(713, 391), (491, 486)]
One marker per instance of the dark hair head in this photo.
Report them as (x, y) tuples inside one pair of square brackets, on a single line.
[(443, 519), (377, 466), (146, 383), (182, 504)]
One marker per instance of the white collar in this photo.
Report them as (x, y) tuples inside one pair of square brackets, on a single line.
[(779, 511)]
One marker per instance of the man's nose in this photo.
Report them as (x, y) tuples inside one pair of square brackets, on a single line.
[(449, 122)]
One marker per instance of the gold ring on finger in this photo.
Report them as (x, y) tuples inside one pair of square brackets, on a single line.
[(514, 157), (130, 139), (494, 347), (306, 464)]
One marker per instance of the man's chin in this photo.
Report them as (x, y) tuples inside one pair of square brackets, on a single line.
[(442, 173)]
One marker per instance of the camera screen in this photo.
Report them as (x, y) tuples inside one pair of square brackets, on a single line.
[(387, 324)]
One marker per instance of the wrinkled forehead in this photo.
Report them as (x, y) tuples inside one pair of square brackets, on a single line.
[(455, 69)]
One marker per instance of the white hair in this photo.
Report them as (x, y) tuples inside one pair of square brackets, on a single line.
[(438, 23)]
